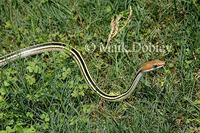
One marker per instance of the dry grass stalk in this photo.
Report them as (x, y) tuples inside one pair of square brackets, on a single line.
[(115, 26)]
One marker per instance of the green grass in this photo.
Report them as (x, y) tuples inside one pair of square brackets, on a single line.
[(47, 93)]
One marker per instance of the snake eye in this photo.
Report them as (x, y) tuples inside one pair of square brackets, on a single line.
[(154, 66)]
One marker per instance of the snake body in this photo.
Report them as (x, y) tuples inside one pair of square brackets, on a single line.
[(58, 46)]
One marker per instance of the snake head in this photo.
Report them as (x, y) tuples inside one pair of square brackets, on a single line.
[(152, 65)]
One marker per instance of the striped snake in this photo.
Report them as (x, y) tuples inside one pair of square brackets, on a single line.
[(57, 46)]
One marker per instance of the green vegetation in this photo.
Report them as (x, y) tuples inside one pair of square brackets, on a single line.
[(47, 93)]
